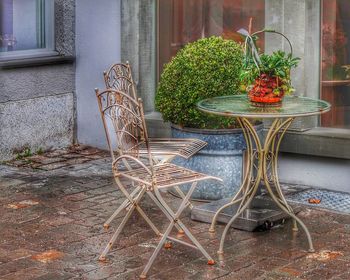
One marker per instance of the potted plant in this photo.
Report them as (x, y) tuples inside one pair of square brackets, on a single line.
[(206, 68), (266, 77)]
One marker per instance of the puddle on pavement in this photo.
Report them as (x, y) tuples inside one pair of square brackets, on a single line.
[(147, 245)]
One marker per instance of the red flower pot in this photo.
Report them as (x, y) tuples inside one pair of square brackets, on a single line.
[(265, 100), (262, 91)]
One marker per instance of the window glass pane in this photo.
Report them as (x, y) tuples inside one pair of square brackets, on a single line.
[(21, 25), (335, 67), (184, 21)]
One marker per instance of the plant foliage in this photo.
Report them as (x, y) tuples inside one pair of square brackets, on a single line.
[(206, 68), (277, 65)]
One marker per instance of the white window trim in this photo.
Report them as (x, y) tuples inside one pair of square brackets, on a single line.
[(49, 50)]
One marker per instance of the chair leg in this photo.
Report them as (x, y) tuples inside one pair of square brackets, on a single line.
[(138, 208), (116, 234), (156, 201), (156, 251), (122, 224), (174, 218), (182, 195), (124, 205), (186, 230), (148, 221)]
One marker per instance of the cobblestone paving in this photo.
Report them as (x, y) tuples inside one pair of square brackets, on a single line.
[(55, 159), (51, 228)]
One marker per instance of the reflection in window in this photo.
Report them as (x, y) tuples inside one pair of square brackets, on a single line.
[(22, 25), (335, 67), (184, 21)]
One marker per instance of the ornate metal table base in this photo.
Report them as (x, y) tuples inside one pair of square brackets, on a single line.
[(262, 212), (261, 165)]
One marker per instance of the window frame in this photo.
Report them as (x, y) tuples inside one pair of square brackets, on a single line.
[(49, 50)]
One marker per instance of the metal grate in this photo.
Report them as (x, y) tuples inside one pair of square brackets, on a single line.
[(331, 200)]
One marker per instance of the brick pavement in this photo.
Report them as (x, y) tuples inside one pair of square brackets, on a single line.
[(51, 228)]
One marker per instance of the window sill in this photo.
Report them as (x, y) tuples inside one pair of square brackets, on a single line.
[(319, 141), (35, 61)]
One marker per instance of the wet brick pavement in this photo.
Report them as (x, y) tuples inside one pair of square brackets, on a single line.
[(51, 228)]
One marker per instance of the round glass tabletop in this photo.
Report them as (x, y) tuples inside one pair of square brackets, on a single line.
[(240, 106)]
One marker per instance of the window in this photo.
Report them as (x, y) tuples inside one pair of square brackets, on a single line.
[(335, 66), (320, 32), (26, 28), (184, 21)]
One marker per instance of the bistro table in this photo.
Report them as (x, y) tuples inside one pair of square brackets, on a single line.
[(262, 156)]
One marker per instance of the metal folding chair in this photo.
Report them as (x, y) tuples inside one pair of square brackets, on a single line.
[(119, 77), (124, 115)]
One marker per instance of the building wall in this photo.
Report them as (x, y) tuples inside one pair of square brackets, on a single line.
[(98, 47), (319, 172), (298, 19), (37, 103)]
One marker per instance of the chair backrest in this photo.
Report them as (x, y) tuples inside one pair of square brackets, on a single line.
[(119, 77), (123, 117)]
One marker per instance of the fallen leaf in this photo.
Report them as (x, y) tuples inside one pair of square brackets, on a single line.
[(325, 255), (291, 271), (314, 201), (48, 256), (22, 204)]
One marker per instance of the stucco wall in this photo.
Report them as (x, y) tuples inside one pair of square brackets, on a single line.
[(37, 103), (98, 47), (319, 172)]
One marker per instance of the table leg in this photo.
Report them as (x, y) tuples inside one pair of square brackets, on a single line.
[(272, 156), (249, 189), (263, 158), (239, 196), (271, 149)]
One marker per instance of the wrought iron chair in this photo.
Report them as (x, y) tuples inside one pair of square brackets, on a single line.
[(125, 116), (119, 77)]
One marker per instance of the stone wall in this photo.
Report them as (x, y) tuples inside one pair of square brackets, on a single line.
[(37, 103)]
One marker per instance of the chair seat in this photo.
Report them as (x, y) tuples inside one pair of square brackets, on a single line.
[(185, 147), (166, 175)]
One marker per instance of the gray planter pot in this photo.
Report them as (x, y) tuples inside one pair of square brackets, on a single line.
[(222, 157)]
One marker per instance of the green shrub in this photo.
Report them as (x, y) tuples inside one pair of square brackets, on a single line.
[(206, 68)]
